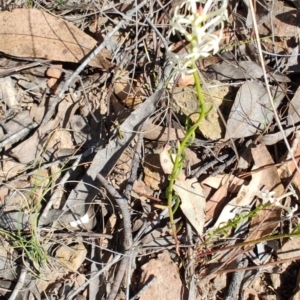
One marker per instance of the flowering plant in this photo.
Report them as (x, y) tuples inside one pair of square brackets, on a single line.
[(268, 197), (196, 24)]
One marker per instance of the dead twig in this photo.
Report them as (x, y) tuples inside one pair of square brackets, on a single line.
[(119, 277), (237, 278), (135, 162), (127, 242), (203, 169), (19, 284), (133, 174), (18, 135), (121, 201)]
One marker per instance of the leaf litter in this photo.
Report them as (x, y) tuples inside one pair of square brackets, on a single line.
[(90, 184)]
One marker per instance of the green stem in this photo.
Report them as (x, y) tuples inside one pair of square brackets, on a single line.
[(177, 167)]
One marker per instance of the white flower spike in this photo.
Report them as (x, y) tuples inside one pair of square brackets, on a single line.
[(196, 24)]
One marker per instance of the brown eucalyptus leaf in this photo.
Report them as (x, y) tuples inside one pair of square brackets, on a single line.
[(288, 170), (153, 172), (163, 134), (273, 138), (29, 149), (251, 111), (32, 33), (267, 178), (225, 184), (243, 198), (17, 123), (290, 250)]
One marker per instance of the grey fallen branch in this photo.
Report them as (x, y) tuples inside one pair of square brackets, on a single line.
[(123, 205), (127, 227)]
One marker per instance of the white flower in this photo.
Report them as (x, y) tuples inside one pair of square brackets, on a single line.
[(182, 64), (290, 210), (190, 5), (268, 197), (196, 24)]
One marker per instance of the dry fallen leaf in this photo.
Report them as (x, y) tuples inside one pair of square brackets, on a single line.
[(37, 34), (186, 80), (40, 178), (54, 74), (242, 70), (244, 197), (139, 187), (128, 90), (261, 10), (39, 181), (271, 182), (251, 111), (10, 168), (290, 250), (54, 71), (153, 174), (268, 178), (192, 201), (122, 86), (71, 257), (288, 170), (213, 203), (293, 115), (30, 149), (224, 184), (81, 129), (163, 134)]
